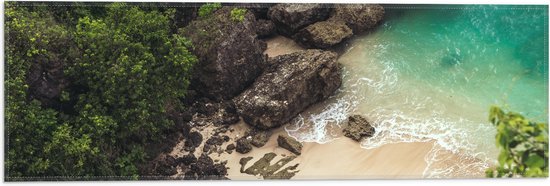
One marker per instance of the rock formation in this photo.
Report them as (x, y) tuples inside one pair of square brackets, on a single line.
[(359, 17), (292, 83), (230, 55), (290, 18), (323, 34)]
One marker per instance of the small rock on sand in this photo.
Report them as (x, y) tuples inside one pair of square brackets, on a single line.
[(290, 144)]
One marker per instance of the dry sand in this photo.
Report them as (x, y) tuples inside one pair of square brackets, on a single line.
[(340, 159)]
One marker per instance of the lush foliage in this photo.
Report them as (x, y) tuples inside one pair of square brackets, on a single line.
[(237, 14), (208, 8), (523, 145), (127, 73)]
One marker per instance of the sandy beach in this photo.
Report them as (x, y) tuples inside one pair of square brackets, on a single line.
[(342, 158)]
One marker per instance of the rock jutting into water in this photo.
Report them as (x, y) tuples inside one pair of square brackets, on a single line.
[(359, 17), (323, 34), (289, 144), (264, 168), (230, 55), (292, 83), (358, 128), (290, 18)]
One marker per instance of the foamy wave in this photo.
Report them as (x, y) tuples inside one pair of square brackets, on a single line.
[(409, 116), (316, 127)]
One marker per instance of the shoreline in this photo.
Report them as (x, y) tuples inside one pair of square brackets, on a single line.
[(341, 158)]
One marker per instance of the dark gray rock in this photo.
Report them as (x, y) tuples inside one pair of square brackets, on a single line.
[(359, 17), (192, 141), (294, 82), (230, 54), (187, 159), (243, 145), (260, 138), (229, 149), (323, 34), (358, 128), (265, 28), (289, 18), (289, 144), (206, 169)]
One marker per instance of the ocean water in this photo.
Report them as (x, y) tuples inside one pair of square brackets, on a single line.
[(430, 74)]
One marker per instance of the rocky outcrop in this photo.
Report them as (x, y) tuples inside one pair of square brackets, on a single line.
[(289, 18), (230, 55), (323, 34), (265, 28), (292, 83), (359, 17), (358, 128), (289, 144)]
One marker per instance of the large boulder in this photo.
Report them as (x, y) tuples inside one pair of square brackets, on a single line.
[(358, 128), (323, 34), (289, 18), (359, 17), (230, 55), (291, 84)]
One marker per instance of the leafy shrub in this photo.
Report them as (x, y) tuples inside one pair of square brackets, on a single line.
[(31, 38), (208, 8), (237, 14), (523, 145), (127, 73)]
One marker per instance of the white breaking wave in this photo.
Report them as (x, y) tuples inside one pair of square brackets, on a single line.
[(398, 123)]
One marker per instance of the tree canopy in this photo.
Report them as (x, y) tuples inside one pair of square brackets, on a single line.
[(123, 71)]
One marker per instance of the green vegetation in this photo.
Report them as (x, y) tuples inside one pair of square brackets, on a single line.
[(208, 8), (523, 145), (126, 74), (237, 14)]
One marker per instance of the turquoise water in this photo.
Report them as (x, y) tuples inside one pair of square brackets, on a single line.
[(493, 53), (430, 74)]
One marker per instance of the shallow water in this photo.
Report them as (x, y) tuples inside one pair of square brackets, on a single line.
[(431, 73)]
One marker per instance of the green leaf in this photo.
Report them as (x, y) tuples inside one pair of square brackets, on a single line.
[(534, 161)]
